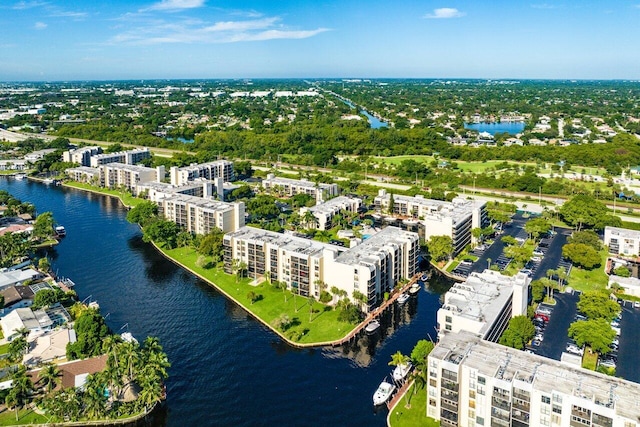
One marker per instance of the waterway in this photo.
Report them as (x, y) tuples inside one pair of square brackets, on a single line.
[(374, 122), (512, 128), (227, 369)]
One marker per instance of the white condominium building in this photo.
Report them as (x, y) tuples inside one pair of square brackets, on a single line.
[(455, 219), (473, 382), (84, 174), (201, 216), (325, 212), (622, 241), (305, 265), (212, 170), (483, 304), (291, 187), (82, 155), (114, 175), (130, 157)]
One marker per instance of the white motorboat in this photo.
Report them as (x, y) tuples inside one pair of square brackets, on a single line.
[(401, 371), (414, 288), (403, 298), (60, 231), (383, 393), (372, 326), (20, 176)]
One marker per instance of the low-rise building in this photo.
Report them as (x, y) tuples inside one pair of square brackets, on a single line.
[(38, 155), (18, 277), (127, 176), (199, 215), (622, 241), (130, 157), (84, 174), (631, 285), (473, 382), (455, 219), (49, 346), (325, 212), (290, 187), (13, 164), (16, 297), (210, 171), (483, 304), (306, 266), (24, 318), (81, 155)]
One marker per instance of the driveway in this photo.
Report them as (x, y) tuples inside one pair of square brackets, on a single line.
[(556, 332), (553, 255), (495, 250), (627, 366)]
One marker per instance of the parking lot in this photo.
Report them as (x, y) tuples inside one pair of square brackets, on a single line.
[(555, 331), (628, 367)]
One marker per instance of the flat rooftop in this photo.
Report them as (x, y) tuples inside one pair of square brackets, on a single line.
[(482, 296), (297, 182), (200, 166), (284, 241), (370, 250), (215, 205), (130, 168), (623, 232), (334, 204), (459, 209), (547, 375)]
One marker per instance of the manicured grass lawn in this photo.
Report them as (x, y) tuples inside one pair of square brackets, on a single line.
[(396, 160), (589, 280), (413, 416), (25, 416), (4, 348), (589, 360), (452, 266), (322, 326), (126, 198)]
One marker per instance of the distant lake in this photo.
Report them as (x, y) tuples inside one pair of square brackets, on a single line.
[(180, 139), (493, 128)]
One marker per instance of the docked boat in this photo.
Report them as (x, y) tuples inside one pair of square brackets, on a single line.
[(128, 337), (60, 231), (20, 176), (425, 277), (414, 288), (372, 327), (48, 181), (383, 393), (403, 298), (401, 371)]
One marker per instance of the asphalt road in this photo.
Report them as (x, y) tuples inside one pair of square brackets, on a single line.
[(627, 366)]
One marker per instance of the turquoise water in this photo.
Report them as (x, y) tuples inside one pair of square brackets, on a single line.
[(493, 128)]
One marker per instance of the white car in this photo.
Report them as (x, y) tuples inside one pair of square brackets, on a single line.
[(536, 259), (538, 253), (636, 304)]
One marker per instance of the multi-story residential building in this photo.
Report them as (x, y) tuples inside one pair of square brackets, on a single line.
[(473, 382), (130, 157), (622, 241), (115, 175), (156, 191), (201, 216), (13, 164), (455, 219), (84, 174), (212, 170), (325, 212), (483, 304), (306, 266), (291, 187), (82, 155)]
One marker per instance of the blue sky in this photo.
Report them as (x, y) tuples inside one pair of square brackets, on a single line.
[(130, 39)]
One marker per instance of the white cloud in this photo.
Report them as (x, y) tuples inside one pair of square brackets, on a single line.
[(40, 26), (444, 13), (173, 5), (21, 5), (69, 14), (195, 31)]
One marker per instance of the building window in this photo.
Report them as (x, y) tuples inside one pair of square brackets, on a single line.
[(448, 319), (482, 380), (480, 421), (557, 409), (447, 327), (546, 399)]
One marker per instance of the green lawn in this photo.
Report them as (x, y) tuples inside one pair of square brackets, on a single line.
[(416, 415), (126, 198), (4, 348), (396, 160), (452, 266), (589, 280), (25, 416), (322, 326), (590, 359)]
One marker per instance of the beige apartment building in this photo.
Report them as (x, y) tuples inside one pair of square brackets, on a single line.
[(119, 175), (212, 170), (201, 216), (291, 187), (325, 212)]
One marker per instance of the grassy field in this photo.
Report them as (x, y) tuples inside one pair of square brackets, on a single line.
[(320, 326), (4, 348), (25, 416), (126, 198), (414, 415), (588, 280), (590, 359)]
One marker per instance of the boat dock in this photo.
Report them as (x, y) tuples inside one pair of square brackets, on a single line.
[(400, 391), (377, 312)]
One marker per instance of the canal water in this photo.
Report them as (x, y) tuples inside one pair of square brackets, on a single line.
[(227, 369)]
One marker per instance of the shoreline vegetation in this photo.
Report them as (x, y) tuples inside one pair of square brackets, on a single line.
[(315, 326)]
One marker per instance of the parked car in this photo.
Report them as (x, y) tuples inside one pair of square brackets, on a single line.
[(574, 349), (538, 253), (608, 363), (536, 259), (636, 304)]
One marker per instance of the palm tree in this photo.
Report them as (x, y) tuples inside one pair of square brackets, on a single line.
[(94, 398), (309, 219), (562, 276), (130, 357), (17, 348), (398, 359), (360, 298), (311, 301), (50, 376), (22, 387), (323, 235), (267, 276), (235, 267)]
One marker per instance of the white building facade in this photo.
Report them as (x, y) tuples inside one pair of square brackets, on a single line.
[(130, 157), (201, 216), (455, 219), (82, 155), (290, 187), (119, 175), (483, 304), (622, 241), (212, 170), (325, 212), (473, 382)]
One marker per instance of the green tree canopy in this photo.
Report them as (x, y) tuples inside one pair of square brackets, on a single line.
[(162, 232), (90, 331), (143, 213), (420, 352), (586, 237), (440, 247), (519, 332), (586, 211), (596, 333), (582, 255), (537, 226), (43, 226), (598, 305)]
